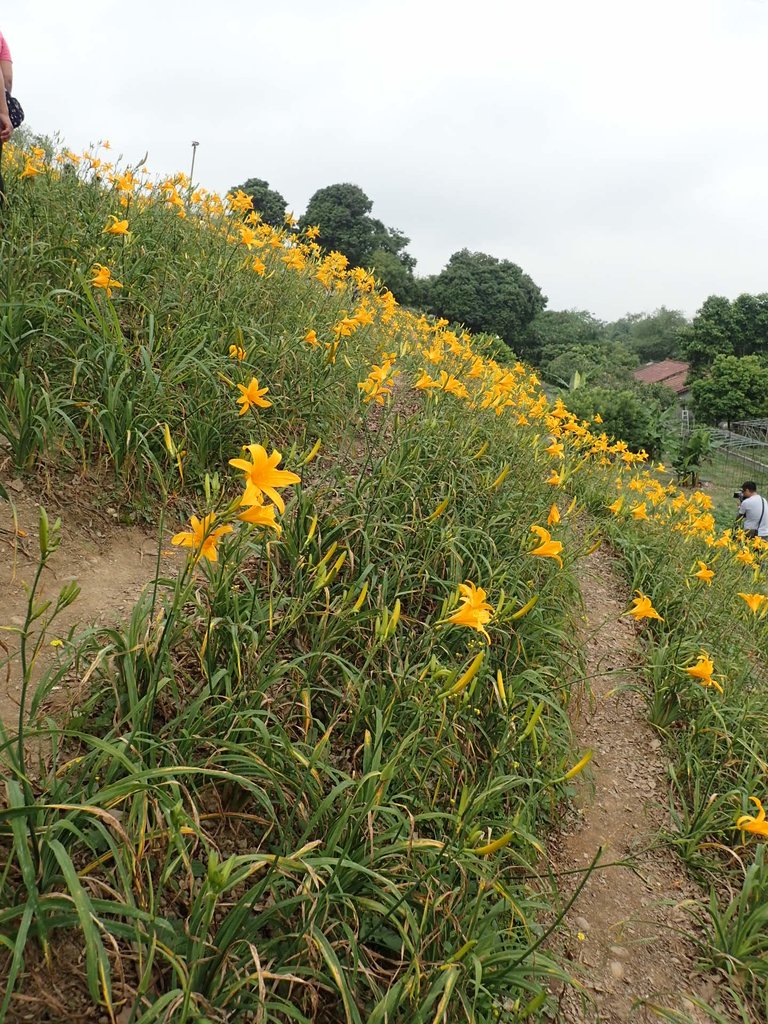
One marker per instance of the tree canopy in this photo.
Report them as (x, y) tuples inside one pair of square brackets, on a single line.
[(634, 413), (721, 327), (342, 213), (652, 336), (555, 331), (734, 388), (266, 201), (485, 294)]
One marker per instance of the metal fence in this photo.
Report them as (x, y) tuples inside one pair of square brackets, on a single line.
[(739, 454)]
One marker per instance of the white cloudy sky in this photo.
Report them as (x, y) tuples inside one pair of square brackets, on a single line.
[(617, 151)]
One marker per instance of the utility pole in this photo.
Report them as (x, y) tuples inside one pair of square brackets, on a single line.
[(192, 168)]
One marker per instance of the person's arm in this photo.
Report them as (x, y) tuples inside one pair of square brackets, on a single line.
[(6, 128)]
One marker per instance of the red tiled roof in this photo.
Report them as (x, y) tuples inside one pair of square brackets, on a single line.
[(672, 373)]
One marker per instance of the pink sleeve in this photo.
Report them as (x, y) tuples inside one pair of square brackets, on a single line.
[(5, 52)]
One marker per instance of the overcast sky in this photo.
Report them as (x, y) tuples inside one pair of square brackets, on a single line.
[(618, 152)]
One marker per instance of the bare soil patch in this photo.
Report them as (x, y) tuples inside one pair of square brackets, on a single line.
[(111, 564), (629, 938)]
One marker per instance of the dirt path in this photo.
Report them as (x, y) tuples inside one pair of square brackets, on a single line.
[(627, 939), (111, 565)]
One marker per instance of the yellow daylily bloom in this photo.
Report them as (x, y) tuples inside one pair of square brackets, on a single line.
[(30, 169), (554, 515), (643, 608), (704, 573), (201, 538), (263, 477), (117, 227), (260, 515), (639, 511), (103, 279), (616, 506), (755, 601), (425, 382), (757, 825), (237, 352), (311, 339), (702, 672), (475, 611), (548, 548), (252, 395)]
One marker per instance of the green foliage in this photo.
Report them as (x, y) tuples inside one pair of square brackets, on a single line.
[(554, 332), (634, 414), (266, 201), (689, 454), (734, 388), (721, 327), (650, 336), (599, 364), (486, 295), (342, 212)]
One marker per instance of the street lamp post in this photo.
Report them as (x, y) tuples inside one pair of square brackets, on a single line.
[(192, 168)]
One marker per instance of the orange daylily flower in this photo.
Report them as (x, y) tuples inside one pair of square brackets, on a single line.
[(261, 515), (263, 477), (252, 395), (475, 611), (616, 506), (30, 169), (643, 608), (757, 825), (702, 672), (755, 601), (117, 227), (103, 279), (704, 573), (201, 538), (548, 548)]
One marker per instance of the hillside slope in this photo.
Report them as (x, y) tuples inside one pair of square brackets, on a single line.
[(311, 773)]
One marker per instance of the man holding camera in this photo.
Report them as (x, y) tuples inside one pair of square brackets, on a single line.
[(753, 510)]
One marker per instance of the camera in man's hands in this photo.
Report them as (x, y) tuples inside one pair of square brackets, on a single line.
[(739, 495)]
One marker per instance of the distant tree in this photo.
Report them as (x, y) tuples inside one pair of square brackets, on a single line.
[(486, 294), (633, 414), (735, 388), (598, 363), (392, 264), (395, 270), (555, 331), (653, 336), (342, 212), (710, 334), (266, 201), (738, 328)]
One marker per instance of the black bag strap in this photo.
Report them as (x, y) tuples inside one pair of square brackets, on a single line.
[(762, 517)]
